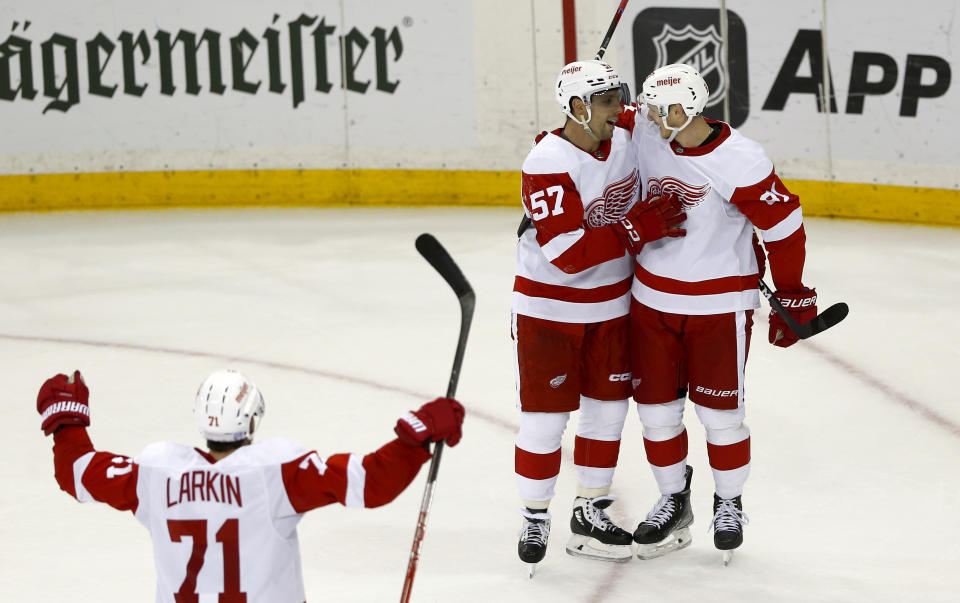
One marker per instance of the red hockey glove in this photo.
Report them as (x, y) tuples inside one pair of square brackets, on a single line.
[(63, 401), (802, 307), (654, 218), (435, 421)]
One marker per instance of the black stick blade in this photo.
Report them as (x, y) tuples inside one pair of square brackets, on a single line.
[(432, 251), (826, 319), (819, 323)]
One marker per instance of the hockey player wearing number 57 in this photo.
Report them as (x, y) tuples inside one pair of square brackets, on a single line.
[(224, 521), (570, 304), (693, 299)]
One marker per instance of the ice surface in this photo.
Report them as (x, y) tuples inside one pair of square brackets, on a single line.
[(855, 490)]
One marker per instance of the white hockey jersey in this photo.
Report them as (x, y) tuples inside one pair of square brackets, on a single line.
[(225, 531), (727, 186), (570, 267)]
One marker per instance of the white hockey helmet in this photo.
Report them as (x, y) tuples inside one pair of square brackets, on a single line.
[(583, 79), (226, 402), (676, 84)]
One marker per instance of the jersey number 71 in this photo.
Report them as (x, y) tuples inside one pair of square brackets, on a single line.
[(228, 535)]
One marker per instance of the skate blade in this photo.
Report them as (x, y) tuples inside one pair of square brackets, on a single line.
[(532, 569), (674, 542), (727, 557), (591, 548)]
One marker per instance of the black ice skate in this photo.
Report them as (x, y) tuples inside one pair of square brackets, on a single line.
[(594, 535), (534, 533), (666, 527), (727, 525)]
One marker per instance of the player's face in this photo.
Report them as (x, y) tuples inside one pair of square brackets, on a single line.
[(605, 109)]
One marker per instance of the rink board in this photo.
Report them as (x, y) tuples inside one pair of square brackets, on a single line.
[(114, 104), (331, 188)]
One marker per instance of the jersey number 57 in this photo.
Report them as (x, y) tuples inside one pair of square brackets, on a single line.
[(539, 203)]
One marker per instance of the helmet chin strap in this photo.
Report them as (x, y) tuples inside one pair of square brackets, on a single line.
[(588, 130), (585, 123), (673, 131)]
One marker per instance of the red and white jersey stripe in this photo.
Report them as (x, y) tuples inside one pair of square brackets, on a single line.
[(728, 187), (572, 267), (226, 530)]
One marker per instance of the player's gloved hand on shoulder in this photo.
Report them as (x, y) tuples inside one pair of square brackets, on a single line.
[(63, 401), (435, 421), (649, 220), (802, 307)]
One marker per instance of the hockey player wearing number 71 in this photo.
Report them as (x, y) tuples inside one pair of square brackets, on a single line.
[(693, 300), (223, 522)]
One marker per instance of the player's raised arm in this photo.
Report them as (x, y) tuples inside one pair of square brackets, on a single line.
[(377, 478), (81, 471)]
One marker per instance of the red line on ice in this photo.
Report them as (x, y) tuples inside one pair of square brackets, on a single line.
[(918, 407), (889, 391), (254, 361)]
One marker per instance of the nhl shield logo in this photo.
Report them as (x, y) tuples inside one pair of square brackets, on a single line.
[(700, 48)]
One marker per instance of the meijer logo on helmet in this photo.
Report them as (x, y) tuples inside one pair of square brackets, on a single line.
[(574, 69), (669, 81)]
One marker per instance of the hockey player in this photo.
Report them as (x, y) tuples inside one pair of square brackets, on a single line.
[(570, 305), (693, 299), (223, 522)]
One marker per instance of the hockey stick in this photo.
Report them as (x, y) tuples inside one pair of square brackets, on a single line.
[(821, 322), (525, 221), (610, 30), (431, 249)]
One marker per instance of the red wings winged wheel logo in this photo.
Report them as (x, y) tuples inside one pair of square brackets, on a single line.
[(614, 203), (691, 196)]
